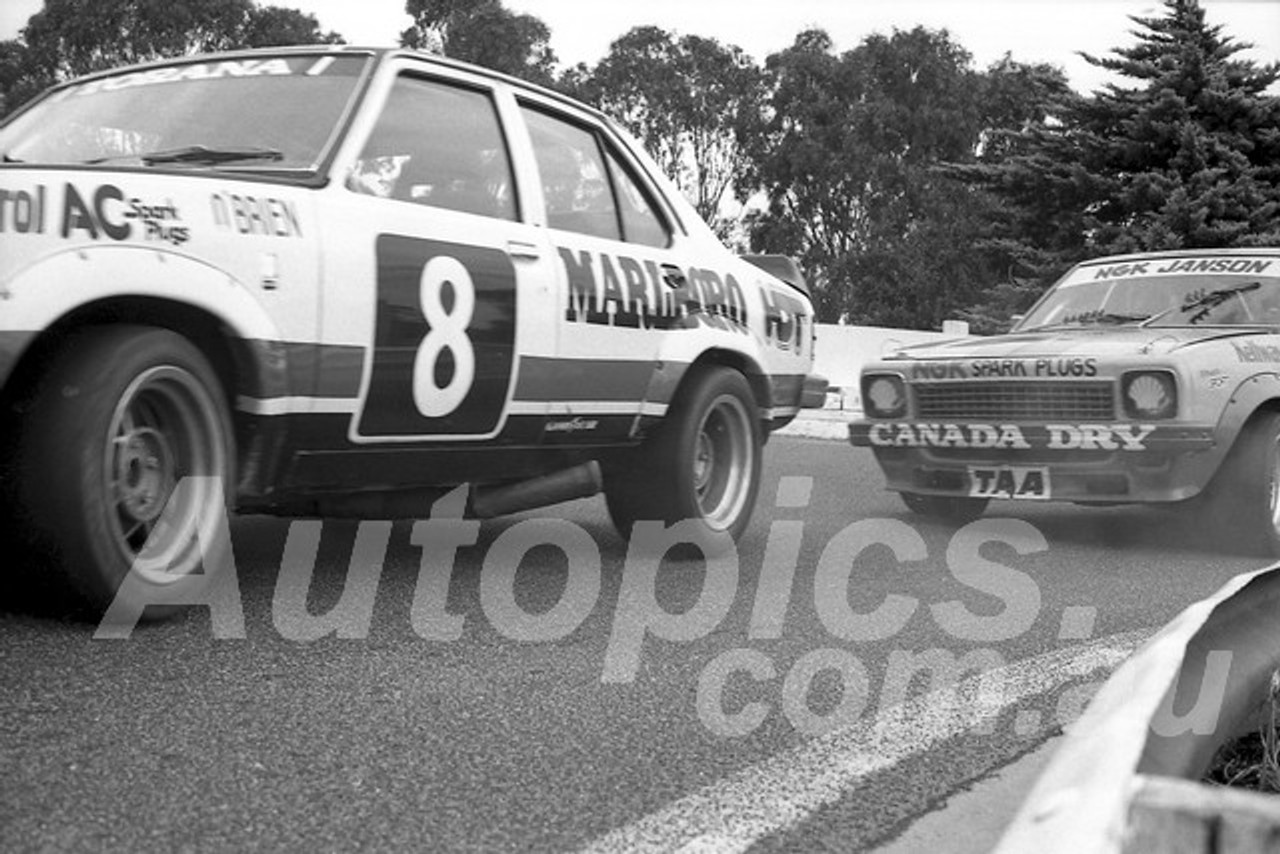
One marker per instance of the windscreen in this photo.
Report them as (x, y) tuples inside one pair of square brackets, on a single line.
[(258, 113), (1227, 291)]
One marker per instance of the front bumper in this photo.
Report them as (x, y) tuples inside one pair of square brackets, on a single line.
[(1122, 462)]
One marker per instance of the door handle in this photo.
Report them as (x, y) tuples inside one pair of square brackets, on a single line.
[(520, 249), (673, 276)]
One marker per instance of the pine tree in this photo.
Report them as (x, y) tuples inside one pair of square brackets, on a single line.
[(1193, 157), (1185, 154)]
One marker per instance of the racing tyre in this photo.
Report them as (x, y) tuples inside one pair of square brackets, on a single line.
[(702, 463), (122, 416), (1245, 495), (960, 510)]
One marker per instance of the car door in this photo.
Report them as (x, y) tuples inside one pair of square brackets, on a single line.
[(620, 279), (436, 287)]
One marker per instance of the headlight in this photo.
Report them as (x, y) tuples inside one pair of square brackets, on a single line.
[(884, 396), (1149, 394)]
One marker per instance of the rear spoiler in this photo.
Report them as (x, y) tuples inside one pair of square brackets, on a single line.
[(782, 267)]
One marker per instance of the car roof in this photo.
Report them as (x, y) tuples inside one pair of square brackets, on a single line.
[(379, 54)]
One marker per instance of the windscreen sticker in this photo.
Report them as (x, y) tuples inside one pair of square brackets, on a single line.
[(1179, 266), (1244, 266), (196, 71)]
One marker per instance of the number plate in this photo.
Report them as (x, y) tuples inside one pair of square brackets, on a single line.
[(1026, 483)]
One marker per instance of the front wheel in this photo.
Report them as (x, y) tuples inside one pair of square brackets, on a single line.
[(703, 463), (124, 459), (960, 510)]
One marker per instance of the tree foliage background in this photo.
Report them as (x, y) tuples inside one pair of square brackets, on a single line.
[(483, 32), (912, 186), (851, 167), (694, 103)]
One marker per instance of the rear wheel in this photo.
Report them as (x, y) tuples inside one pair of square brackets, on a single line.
[(122, 417), (703, 463), (952, 508)]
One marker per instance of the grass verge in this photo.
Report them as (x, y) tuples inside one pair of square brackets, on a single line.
[(1253, 761)]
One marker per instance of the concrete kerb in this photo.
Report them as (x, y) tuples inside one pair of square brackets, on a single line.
[(829, 423)]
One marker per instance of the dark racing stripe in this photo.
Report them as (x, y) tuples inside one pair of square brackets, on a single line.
[(299, 369), (293, 369), (329, 371), (543, 379), (337, 370)]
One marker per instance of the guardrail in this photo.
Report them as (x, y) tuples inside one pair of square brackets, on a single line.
[(1123, 780)]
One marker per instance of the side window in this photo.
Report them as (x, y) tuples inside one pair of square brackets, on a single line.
[(439, 145), (574, 181), (640, 223)]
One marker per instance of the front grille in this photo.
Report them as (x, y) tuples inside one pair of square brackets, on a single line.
[(1015, 400)]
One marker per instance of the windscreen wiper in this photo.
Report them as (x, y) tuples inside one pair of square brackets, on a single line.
[(1100, 316), (204, 154), (197, 154), (1207, 302)]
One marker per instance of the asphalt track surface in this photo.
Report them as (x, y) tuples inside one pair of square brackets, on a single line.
[(175, 740)]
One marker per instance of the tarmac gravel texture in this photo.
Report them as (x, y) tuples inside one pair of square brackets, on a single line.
[(173, 740)]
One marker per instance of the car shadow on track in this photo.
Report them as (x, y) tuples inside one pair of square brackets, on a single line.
[(1183, 528)]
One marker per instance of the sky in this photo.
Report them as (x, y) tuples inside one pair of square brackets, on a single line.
[(1050, 31)]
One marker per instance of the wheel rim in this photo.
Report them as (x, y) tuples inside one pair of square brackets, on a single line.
[(164, 428), (724, 462)]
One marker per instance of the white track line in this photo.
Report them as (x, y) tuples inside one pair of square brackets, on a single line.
[(735, 812)]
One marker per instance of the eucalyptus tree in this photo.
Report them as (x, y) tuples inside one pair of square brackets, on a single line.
[(693, 102), (483, 32)]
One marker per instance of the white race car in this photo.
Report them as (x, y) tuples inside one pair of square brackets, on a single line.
[(1146, 378), (338, 281)]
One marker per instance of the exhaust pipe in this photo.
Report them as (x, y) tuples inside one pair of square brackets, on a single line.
[(581, 481)]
